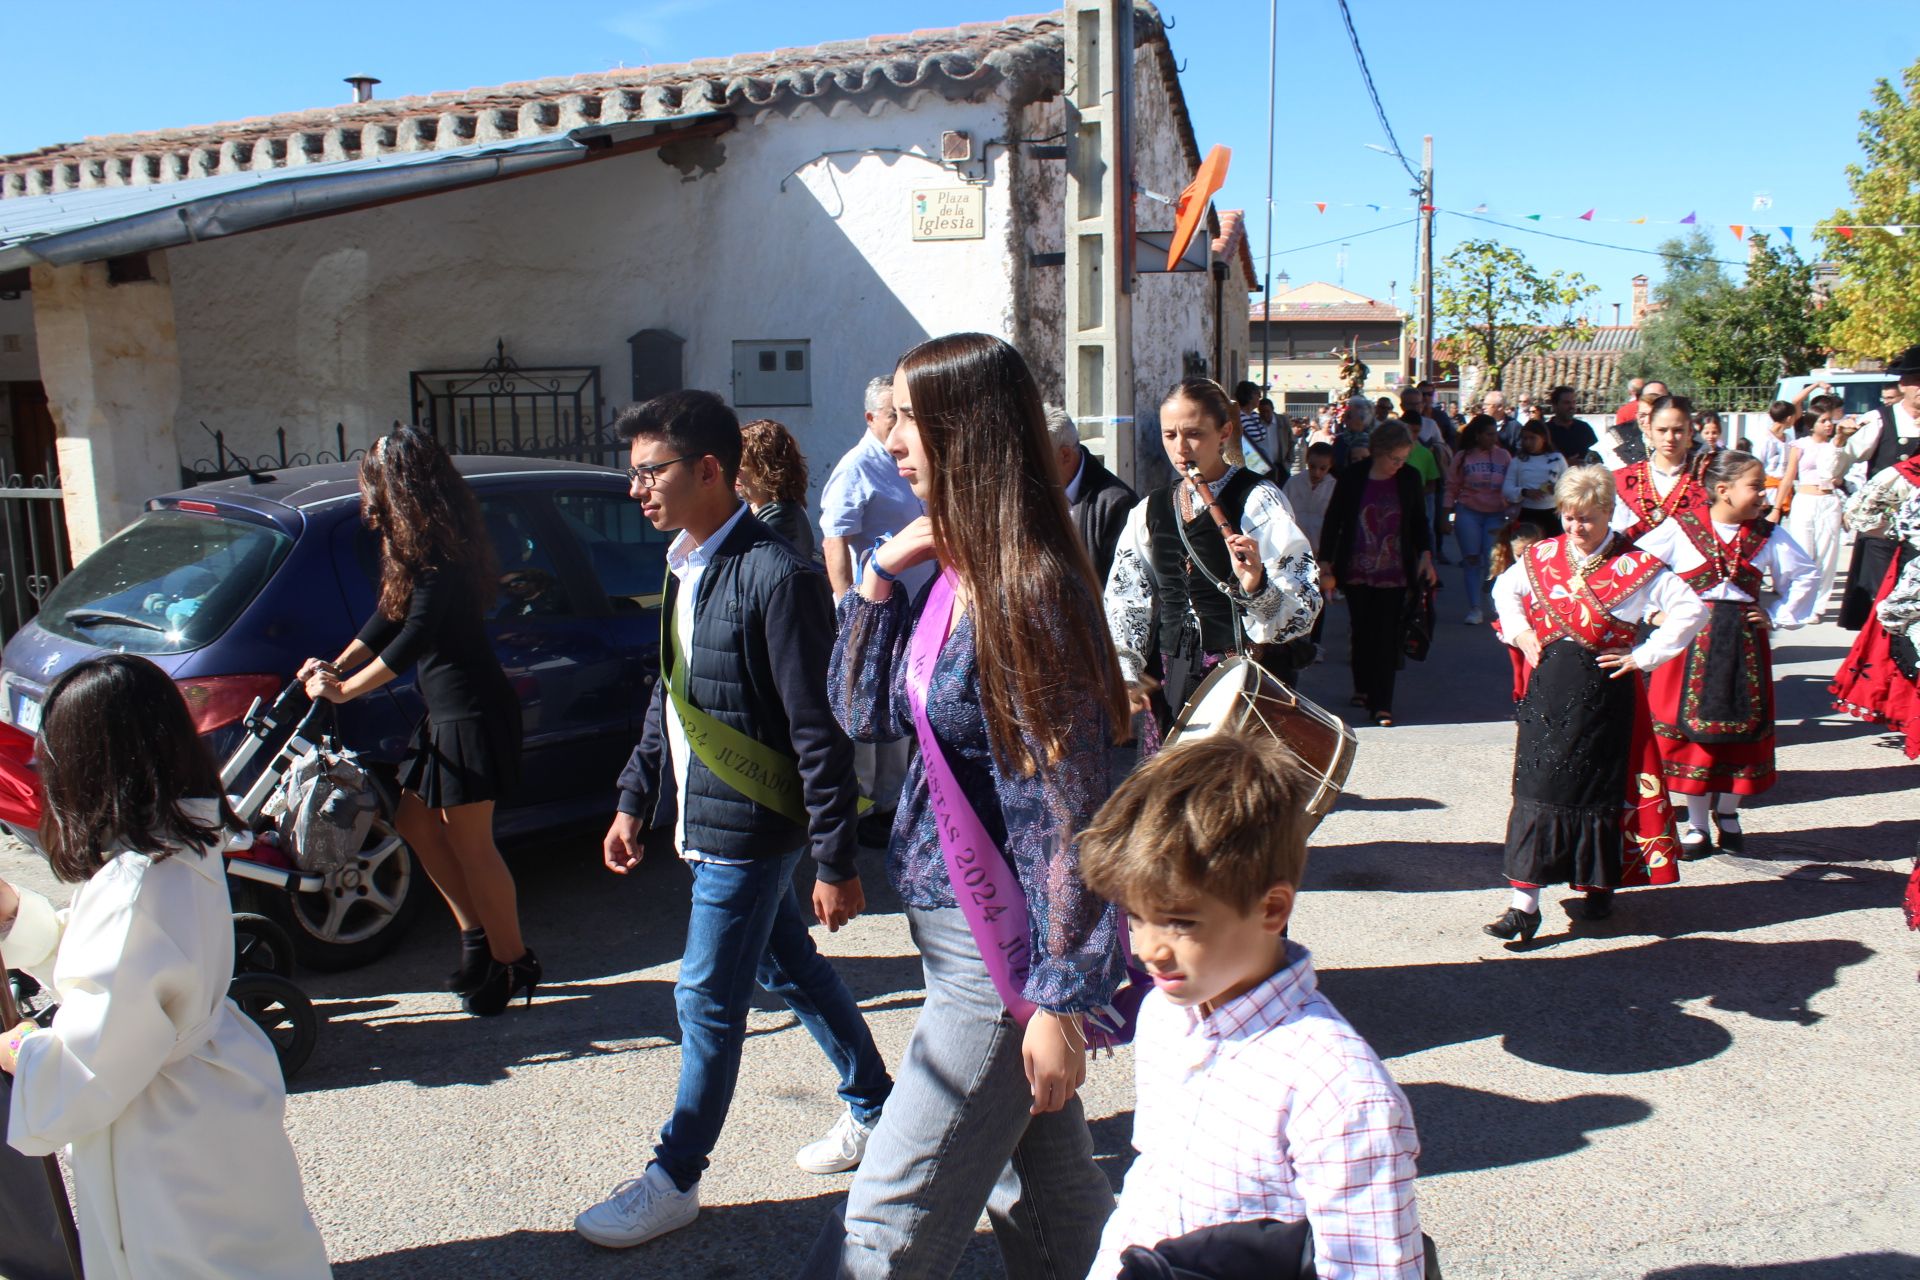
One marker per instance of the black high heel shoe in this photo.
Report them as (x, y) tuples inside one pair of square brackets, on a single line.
[(474, 959), (1514, 923), (502, 983)]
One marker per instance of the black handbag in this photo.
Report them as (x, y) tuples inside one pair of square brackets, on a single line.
[(1417, 628)]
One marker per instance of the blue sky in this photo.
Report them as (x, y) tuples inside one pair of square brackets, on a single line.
[(1633, 108)]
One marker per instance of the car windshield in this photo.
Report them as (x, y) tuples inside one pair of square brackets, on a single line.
[(168, 583)]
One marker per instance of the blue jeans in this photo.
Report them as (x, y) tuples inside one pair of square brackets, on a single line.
[(747, 927), (1474, 531), (957, 1138)]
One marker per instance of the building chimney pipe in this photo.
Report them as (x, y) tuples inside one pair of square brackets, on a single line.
[(363, 87)]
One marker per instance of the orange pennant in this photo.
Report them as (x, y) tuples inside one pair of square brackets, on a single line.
[(1192, 205), (1321, 205), (1739, 230), (1845, 231)]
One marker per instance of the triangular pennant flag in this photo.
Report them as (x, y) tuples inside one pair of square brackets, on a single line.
[(1587, 216), (1895, 229), (1374, 207), (1846, 232), (1687, 221), (1788, 233), (1533, 217), (1321, 205), (1480, 208), (1739, 230), (1639, 222)]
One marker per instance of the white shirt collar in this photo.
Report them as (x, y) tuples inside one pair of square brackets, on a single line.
[(1073, 485), (684, 554)]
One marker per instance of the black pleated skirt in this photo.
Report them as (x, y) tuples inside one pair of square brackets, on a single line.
[(464, 761), (1570, 772)]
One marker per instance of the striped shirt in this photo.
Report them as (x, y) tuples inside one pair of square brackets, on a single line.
[(1270, 1107)]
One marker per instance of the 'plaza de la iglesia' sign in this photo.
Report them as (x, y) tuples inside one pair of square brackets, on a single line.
[(950, 213)]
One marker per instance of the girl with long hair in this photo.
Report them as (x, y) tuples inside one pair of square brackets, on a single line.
[(1713, 710), (170, 1098), (1476, 491), (773, 481), (1003, 671), (437, 576), (1531, 476), (1664, 482), (1188, 591), (1588, 808)]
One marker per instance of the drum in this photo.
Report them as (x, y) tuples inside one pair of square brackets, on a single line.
[(1241, 696)]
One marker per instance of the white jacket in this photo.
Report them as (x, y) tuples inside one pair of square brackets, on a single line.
[(170, 1097)]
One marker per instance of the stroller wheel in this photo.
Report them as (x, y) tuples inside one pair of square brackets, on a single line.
[(283, 1011), (260, 945)]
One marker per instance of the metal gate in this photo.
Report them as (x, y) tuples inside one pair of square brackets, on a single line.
[(503, 407), (33, 545)]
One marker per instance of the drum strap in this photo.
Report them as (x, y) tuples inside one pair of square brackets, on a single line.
[(1230, 588)]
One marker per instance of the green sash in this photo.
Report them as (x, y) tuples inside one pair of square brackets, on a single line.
[(751, 767)]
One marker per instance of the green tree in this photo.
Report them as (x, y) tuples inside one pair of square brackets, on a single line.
[(1876, 304), (1493, 306), (1712, 332)]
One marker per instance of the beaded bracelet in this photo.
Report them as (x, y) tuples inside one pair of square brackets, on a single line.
[(16, 1040)]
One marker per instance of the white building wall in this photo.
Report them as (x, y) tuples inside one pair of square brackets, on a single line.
[(309, 325)]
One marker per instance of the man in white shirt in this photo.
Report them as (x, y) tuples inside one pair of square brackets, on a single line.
[(864, 500), (1877, 441)]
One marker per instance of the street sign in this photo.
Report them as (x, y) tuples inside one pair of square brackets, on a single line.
[(950, 213)]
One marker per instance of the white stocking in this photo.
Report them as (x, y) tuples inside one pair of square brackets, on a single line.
[(1727, 804), (1527, 900), (1697, 812)]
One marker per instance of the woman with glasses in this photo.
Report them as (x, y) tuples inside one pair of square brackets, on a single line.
[(437, 576)]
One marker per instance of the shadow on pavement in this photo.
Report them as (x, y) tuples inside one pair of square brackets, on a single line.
[(1404, 866), (1605, 1013), (1353, 802), (1463, 1129), (1858, 1266)]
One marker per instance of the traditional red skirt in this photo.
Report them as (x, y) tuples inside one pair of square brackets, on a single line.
[(1713, 708), (1870, 684)]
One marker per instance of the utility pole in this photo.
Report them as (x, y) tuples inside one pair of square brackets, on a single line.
[(1266, 287), (1099, 320), (1425, 366)]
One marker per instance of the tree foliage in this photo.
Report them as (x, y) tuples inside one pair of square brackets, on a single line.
[(1712, 332), (1877, 301), (1493, 306)]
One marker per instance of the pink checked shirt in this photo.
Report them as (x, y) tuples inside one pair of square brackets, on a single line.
[(1272, 1107)]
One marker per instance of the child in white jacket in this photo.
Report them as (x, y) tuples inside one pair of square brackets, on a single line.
[(170, 1097)]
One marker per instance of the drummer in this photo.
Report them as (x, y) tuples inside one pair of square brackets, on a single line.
[(1185, 592)]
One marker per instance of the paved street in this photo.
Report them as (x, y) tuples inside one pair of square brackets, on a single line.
[(1716, 1083)]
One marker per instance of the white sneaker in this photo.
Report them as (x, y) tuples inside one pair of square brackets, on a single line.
[(1475, 617), (842, 1149), (639, 1210)]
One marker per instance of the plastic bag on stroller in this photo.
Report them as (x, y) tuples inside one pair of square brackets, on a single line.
[(324, 806)]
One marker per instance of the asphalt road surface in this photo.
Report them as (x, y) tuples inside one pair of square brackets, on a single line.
[(1716, 1083)]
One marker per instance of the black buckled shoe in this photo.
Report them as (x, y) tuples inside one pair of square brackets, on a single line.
[(1694, 845), (1732, 840), (1514, 923)]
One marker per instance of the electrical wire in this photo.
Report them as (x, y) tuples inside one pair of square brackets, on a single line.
[(1379, 111), (1554, 235), (1319, 244)]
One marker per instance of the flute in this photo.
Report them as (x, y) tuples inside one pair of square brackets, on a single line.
[(1213, 508)]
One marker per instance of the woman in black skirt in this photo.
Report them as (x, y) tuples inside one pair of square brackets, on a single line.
[(437, 577), (1589, 806)]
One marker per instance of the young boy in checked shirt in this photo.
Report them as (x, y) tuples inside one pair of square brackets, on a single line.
[(1255, 1098)]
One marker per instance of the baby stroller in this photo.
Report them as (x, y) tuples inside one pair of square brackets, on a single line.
[(262, 985)]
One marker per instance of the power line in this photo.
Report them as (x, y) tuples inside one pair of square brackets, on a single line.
[(1318, 244), (1594, 244), (1366, 75)]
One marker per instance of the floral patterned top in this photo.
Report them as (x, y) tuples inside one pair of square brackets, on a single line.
[(1078, 959)]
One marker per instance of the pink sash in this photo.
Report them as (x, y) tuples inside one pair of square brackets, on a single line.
[(984, 884)]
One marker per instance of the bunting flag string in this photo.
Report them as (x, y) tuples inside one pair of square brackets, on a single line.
[(1740, 230)]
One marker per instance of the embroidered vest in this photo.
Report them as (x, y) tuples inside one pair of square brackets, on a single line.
[(1565, 607), (1638, 490), (1724, 561), (1181, 583)]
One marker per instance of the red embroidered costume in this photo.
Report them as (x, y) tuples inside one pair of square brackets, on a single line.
[(1588, 805), (1640, 506)]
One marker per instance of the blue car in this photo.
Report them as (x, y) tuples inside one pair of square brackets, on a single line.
[(229, 586)]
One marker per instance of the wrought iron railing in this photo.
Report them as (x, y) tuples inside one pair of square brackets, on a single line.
[(35, 555), (225, 464), (504, 407)]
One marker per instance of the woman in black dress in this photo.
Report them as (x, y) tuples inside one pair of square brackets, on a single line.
[(436, 579)]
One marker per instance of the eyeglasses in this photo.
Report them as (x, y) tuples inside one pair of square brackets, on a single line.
[(647, 474)]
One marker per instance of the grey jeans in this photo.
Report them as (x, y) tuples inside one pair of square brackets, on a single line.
[(956, 1138)]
